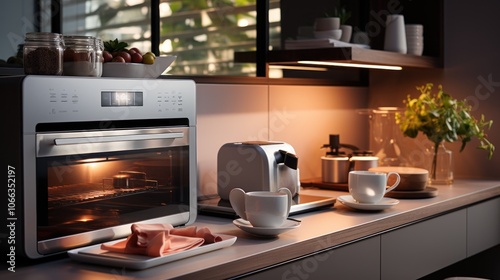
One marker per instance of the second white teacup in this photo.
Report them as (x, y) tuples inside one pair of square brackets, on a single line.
[(262, 208), (370, 187)]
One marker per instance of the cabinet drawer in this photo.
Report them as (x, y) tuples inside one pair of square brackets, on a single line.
[(417, 250), (359, 260), (483, 226)]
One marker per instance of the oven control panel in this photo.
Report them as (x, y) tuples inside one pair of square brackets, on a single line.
[(53, 99)]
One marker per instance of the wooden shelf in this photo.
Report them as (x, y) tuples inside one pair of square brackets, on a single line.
[(342, 54)]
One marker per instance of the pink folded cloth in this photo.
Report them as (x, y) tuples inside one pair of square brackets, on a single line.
[(157, 240)]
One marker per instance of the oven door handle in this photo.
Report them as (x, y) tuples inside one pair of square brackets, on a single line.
[(117, 138)]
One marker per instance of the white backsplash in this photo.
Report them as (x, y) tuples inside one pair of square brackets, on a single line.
[(302, 116)]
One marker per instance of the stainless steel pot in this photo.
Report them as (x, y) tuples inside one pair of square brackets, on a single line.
[(335, 169)]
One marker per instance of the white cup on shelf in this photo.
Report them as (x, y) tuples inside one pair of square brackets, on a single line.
[(395, 34), (346, 33)]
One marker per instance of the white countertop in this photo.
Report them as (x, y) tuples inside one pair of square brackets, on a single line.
[(322, 229)]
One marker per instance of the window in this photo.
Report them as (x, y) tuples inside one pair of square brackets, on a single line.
[(203, 34)]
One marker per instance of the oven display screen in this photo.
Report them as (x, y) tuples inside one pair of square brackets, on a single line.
[(121, 98)]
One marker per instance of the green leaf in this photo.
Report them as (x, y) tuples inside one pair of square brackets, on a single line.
[(115, 46), (442, 118)]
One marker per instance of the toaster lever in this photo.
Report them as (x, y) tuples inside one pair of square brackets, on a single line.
[(288, 159)]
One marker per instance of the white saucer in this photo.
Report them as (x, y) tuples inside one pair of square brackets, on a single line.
[(382, 204), (264, 231)]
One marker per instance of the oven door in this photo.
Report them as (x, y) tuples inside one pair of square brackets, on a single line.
[(91, 185)]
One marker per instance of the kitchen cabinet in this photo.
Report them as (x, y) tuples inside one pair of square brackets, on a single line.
[(420, 249), (368, 17), (360, 260), (483, 226), (408, 252)]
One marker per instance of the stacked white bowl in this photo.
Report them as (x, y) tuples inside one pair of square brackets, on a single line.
[(414, 38), (327, 28)]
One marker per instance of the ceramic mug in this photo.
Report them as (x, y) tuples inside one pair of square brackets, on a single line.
[(370, 187), (262, 208)]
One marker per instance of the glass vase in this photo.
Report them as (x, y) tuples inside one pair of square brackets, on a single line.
[(440, 165), (386, 136)]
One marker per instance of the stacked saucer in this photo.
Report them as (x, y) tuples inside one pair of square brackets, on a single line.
[(413, 182), (414, 38)]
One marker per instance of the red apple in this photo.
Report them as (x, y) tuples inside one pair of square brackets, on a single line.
[(118, 59), (137, 57), (135, 50), (107, 56), (126, 56)]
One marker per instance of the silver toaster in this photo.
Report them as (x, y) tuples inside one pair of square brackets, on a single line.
[(257, 166)]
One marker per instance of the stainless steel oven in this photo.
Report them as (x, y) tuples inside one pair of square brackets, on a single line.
[(87, 157)]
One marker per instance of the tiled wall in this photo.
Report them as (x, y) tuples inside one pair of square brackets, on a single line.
[(302, 116)]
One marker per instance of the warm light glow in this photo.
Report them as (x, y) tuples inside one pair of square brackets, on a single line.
[(357, 65), (243, 22), (165, 10), (205, 19), (134, 2), (85, 218), (370, 192), (305, 68), (91, 160), (389, 108), (274, 15), (167, 47)]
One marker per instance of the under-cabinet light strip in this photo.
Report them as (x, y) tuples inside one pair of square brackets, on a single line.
[(304, 68), (358, 65)]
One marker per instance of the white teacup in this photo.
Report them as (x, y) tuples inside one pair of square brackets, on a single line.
[(262, 208), (370, 187)]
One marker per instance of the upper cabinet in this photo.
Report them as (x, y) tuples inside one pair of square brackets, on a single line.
[(368, 21)]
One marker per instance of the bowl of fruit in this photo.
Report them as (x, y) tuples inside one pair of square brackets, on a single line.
[(120, 61)]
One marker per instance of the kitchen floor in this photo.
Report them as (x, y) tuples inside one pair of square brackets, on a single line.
[(483, 265)]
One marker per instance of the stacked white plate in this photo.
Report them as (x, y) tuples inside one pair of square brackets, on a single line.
[(328, 34), (414, 38)]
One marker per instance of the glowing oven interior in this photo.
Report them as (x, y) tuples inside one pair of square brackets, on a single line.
[(81, 193)]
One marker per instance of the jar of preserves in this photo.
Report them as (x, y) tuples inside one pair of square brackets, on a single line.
[(79, 56), (43, 53)]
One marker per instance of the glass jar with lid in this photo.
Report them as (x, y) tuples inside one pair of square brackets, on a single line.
[(43, 53), (99, 48), (79, 56)]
